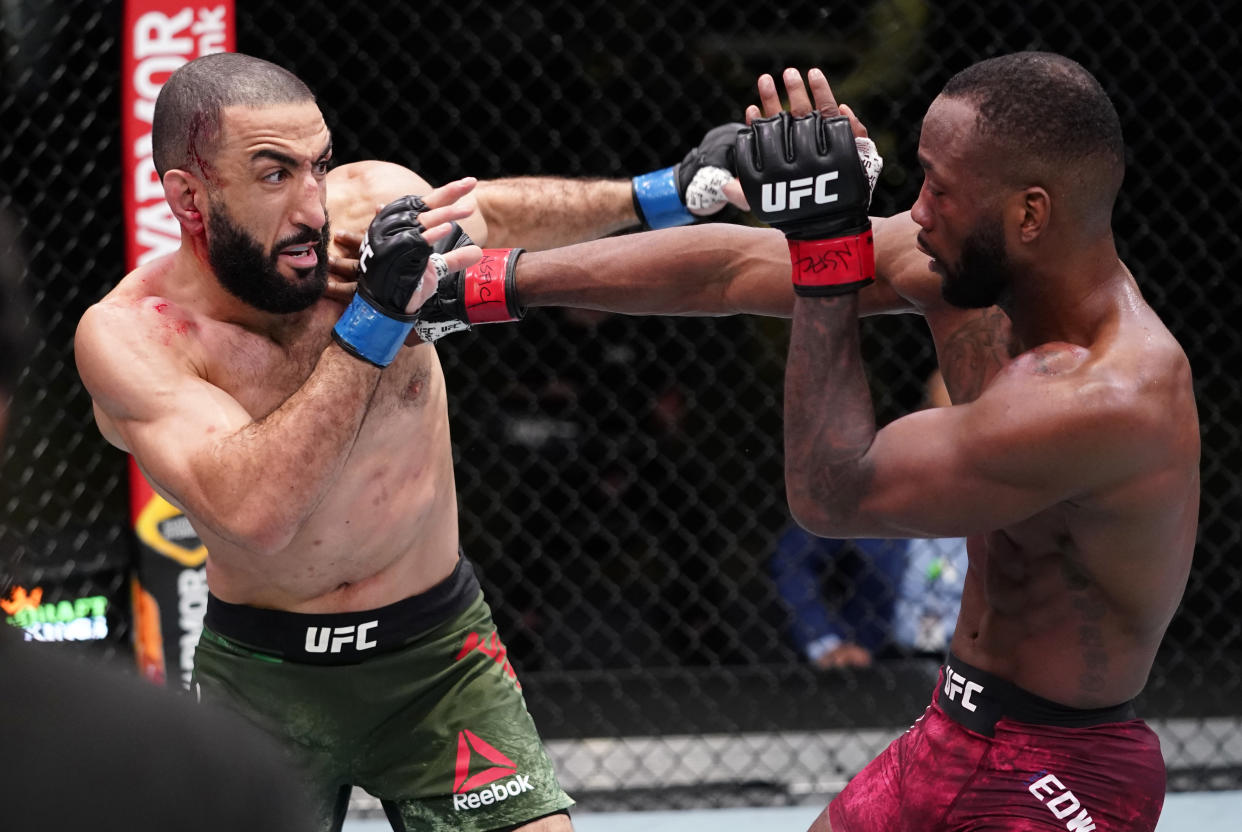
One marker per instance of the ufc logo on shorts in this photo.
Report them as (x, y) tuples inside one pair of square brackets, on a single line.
[(776, 195), (332, 639), (955, 683)]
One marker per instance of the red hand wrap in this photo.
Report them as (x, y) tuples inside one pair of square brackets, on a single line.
[(487, 287), (833, 267)]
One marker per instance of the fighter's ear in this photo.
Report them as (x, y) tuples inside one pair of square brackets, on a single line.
[(187, 196), (1035, 213)]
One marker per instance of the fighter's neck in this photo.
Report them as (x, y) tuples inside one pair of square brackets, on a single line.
[(192, 278), (1073, 303)]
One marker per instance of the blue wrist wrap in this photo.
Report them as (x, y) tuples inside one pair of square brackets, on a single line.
[(656, 196), (370, 334)]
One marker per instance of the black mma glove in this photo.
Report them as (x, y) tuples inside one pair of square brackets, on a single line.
[(479, 294), (390, 271), (803, 176), (692, 188)]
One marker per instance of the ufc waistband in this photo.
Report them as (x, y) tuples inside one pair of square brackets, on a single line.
[(345, 637), (978, 700)]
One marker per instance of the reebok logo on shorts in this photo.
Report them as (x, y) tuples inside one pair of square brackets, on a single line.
[(1051, 792), (471, 747)]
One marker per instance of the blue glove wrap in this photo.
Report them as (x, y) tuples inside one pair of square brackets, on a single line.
[(657, 202), (370, 334)]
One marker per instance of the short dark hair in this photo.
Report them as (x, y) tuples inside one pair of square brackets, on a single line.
[(1047, 104), (186, 123)]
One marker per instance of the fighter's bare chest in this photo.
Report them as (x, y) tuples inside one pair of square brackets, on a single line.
[(261, 374)]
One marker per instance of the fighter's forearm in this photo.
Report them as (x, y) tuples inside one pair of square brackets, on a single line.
[(538, 212), (694, 270), (829, 418), (265, 480)]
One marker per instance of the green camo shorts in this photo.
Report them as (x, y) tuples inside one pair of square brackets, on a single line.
[(436, 727)]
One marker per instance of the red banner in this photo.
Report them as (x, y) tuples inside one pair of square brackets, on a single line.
[(170, 588), (160, 36)]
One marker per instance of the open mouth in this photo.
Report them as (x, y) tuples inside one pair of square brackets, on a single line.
[(301, 256)]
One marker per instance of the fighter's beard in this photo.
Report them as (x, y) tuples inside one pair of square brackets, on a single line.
[(982, 277), (251, 275)]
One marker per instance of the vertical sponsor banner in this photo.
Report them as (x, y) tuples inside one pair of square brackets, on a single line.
[(169, 589)]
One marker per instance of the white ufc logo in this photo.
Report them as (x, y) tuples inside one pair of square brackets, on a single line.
[(318, 639), (776, 195), (955, 683)]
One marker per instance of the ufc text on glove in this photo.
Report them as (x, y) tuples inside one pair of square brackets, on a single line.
[(802, 175)]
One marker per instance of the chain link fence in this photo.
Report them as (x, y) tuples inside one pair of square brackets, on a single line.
[(626, 514)]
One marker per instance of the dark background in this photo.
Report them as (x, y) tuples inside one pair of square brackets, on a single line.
[(621, 479)]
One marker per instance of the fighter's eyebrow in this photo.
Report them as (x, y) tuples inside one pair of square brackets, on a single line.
[(266, 153), (284, 158)]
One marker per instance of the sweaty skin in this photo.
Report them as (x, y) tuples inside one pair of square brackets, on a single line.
[(317, 482), (1070, 457), (182, 374)]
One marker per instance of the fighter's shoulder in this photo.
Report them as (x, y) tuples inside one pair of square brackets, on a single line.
[(135, 323), (132, 302), (355, 189), (1120, 397)]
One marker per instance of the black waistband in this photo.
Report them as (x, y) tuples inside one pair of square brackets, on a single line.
[(978, 700), (343, 637)]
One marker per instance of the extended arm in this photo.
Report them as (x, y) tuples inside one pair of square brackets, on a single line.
[(536, 212), (700, 270)]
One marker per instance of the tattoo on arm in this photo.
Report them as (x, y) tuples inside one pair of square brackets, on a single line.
[(829, 418), (975, 352)]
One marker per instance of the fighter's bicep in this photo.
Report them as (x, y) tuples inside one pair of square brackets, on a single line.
[(961, 470), (180, 445)]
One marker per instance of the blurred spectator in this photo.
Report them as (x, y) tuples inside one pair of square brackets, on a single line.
[(847, 634), (89, 747), (929, 595), (901, 594)]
